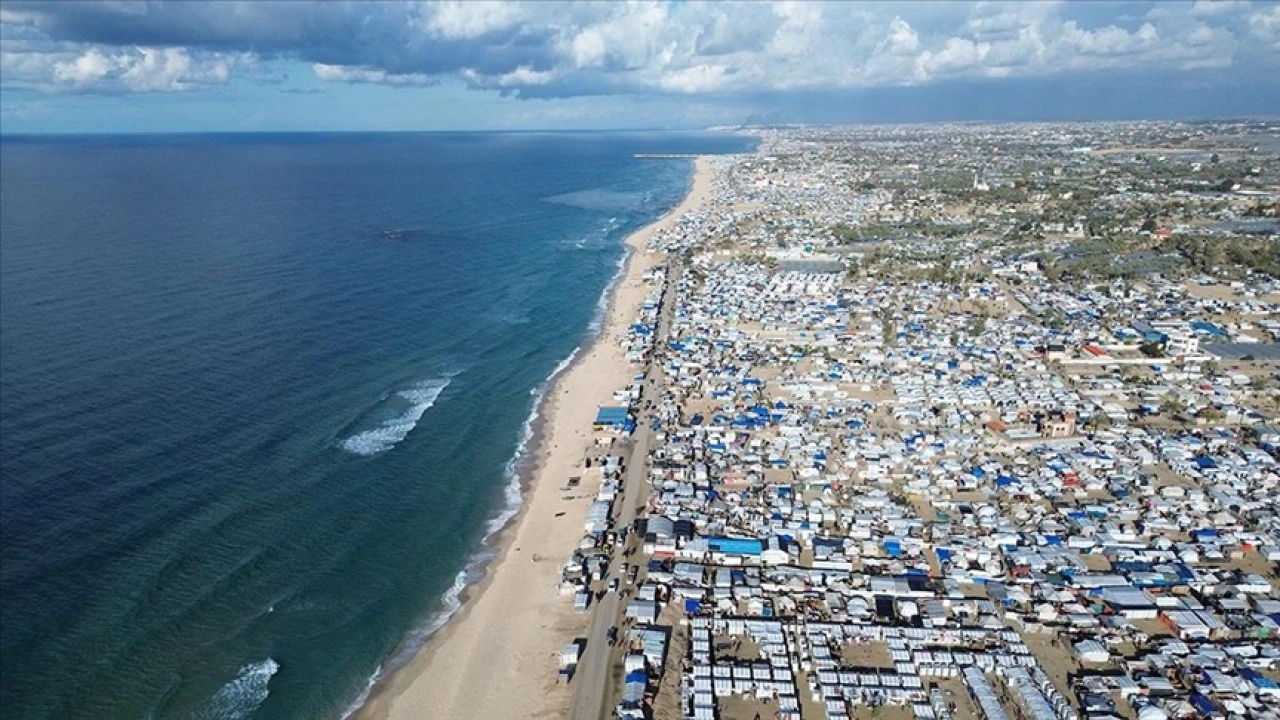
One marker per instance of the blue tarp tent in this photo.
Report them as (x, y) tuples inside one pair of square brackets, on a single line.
[(735, 546), (611, 416), (1259, 680), (1203, 705), (1208, 328)]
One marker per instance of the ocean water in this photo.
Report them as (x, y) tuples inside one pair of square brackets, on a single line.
[(260, 396)]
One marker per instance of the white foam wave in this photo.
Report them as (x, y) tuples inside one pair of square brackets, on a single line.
[(364, 694), (602, 302), (596, 239), (451, 601), (390, 432), (238, 699)]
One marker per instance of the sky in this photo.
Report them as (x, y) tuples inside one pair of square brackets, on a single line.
[(163, 66)]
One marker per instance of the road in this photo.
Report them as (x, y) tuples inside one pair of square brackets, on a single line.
[(598, 659)]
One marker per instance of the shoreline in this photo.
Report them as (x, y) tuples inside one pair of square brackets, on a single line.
[(509, 625)]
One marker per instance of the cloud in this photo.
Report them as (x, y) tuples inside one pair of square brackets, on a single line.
[(541, 49), (346, 74), (1264, 26), (468, 20), (107, 70)]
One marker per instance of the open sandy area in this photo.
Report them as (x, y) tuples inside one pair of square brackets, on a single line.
[(499, 656)]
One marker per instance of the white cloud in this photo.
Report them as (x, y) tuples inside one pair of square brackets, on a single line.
[(109, 70), (550, 49), (90, 67), (350, 74), (520, 77), (1264, 26), (470, 19), (902, 38), (588, 49), (1209, 8)]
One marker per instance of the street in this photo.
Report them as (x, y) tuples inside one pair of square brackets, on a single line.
[(592, 679)]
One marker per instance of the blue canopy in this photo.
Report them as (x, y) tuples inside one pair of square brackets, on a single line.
[(616, 416)]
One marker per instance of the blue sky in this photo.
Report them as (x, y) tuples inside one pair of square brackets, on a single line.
[(240, 66)]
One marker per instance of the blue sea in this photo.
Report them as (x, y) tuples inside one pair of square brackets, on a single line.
[(261, 396)]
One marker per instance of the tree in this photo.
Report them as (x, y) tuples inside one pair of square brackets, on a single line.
[(1098, 421), (887, 330), (1152, 349), (1173, 405)]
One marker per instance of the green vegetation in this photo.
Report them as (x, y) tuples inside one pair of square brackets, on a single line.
[(874, 231), (1203, 253)]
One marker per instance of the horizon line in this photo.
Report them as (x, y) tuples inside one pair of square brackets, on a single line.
[(726, 127)]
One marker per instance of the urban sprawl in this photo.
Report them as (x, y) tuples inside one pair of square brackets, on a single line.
[(948, 422)]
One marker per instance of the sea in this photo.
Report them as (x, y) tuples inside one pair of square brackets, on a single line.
[(263, 397)]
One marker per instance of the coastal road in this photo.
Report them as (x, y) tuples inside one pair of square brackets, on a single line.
[(592, 675), (636, 484), (597, 663)]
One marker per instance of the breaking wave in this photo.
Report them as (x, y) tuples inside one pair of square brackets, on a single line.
[(411, 404), (602, 303), (598, 238), (451, 601), (240, 698)]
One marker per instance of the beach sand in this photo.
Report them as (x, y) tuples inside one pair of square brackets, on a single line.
[(498, 657)]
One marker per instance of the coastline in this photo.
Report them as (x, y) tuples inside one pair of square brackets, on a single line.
[(510, 627)]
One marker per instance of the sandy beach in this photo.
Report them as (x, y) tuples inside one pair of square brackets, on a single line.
[(499, 655)]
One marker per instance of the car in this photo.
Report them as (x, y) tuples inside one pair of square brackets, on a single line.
[(613, 585)]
